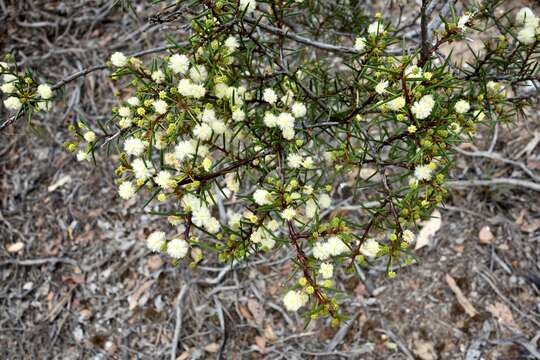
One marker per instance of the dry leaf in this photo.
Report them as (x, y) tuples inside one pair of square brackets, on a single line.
[(269, 333), (50, 298), (521, 218), (502, 313), (85, 314), (530, 146), (257, 310), (212, 347), (533, 165), (134, 299), (75, 279), (60, 305), (530, 227), (245, 312), (463, 301), (428, 230), (467, 146), (261, 344), (286, 268), (360, 290), (154, 262), (111, 347), (425, 350), (15, 247), (61, 182), (185, 355), (486, 236)]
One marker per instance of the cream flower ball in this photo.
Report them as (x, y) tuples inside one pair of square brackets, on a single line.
[(370, 248), (155, 241), (44, 91), (360, 44), (126, 190), (527, 35), (13, 103), (422, 108), (298, 110), (423, 172), (179, 64), (288, 214), (294, 300), (462, 107), (381, 87), (124, 111), (118, 59), (262, 197), (408, 236), (160, 106), (177, 248), (396, 104), (134, 146), (326, 270), (269, 96), (90, 136)]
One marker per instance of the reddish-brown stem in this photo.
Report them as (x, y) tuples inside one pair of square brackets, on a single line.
[(302, 260)]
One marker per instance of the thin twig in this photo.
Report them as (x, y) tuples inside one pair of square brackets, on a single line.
[(424, 28), (398, 341), (343, 330), (492, 284), (314, 43), (178, 326), (103, 66), (499, 181), (41, 261), (499, 157)]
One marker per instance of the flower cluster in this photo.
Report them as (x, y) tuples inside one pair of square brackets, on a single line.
[(175, 248), (21, 91), (284, 120), (530, 26)]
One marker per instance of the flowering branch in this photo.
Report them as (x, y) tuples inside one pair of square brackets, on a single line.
[(250, 139)]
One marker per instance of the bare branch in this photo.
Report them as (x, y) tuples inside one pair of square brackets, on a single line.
[(314, 43), (499, 181), (424, 28), (92, 69)]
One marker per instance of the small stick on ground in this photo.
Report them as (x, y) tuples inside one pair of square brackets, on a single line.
[(499, 181), (178, 327)]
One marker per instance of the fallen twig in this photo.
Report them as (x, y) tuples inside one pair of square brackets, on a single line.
[(399, 343), (463, 301), (475, 349), (178, 326), (498, 181), (498, 157), (340, 334), (492, 284), (40, 261)]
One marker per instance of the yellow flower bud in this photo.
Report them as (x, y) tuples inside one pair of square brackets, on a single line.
[(207, 164)]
